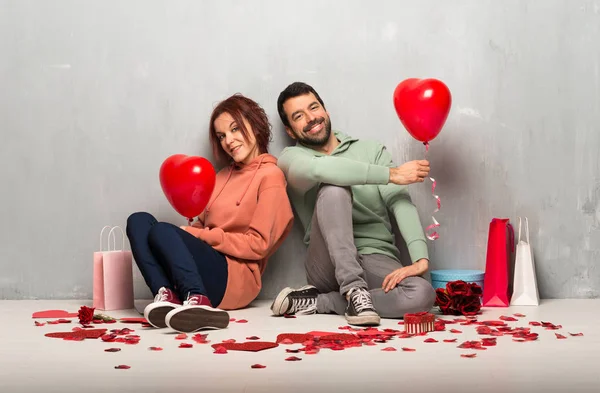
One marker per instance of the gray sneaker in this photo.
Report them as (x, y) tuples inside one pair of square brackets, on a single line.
[(360, 309), (301, 301)]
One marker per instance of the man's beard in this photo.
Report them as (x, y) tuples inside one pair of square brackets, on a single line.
[(316, 141)]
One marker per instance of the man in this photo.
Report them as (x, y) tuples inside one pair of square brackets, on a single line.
[(342, 189)]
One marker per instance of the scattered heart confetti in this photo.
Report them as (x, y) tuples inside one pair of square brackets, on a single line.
[(488, 342), (230, 341), (186, 345), (155, 348), (468, 355), (408, 349), (389, 349), (287, 341), (257, 366), (455, 331), (241, 321), (292, 350), (253, 338), (293, 359), (534, 323), (181, 336), (551, 326), (122, 367), (519, 315), (576, 334), (430, 340), (220, 350), (39, 323), (509, 319), (472, 345), (112, 350), (453, 340), (560, 336), (311, 352), (200, 338)]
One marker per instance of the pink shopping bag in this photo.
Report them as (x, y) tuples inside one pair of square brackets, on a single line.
[(113, 275), (501, 245)]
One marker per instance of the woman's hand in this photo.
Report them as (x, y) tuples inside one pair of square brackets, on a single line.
[(394, 278)]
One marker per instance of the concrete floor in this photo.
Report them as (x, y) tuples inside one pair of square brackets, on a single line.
[(31, 362)]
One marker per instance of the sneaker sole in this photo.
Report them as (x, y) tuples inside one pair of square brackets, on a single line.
[(157, 316), (188, 320), (363, 320), (277, 306)]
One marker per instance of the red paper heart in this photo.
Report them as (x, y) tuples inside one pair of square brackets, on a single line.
[(250, 346), (422, 106), (53, 314), (296, 338), (188, 183), (133, 320), (84, 333)]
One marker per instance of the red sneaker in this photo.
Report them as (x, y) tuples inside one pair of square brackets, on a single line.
[(165, 300), (196, 313)]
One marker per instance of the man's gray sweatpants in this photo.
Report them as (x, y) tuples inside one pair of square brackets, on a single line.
[(334, 265)]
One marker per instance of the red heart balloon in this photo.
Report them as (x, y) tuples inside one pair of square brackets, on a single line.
[(422, 106), (188, 183)]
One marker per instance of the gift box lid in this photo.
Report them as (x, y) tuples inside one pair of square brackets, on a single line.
[(457, 274)]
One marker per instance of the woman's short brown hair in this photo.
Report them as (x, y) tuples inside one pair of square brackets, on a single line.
[(240, 108)]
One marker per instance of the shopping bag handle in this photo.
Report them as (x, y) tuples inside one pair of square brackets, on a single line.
[(113, 237), (526, 229), (108, 240)]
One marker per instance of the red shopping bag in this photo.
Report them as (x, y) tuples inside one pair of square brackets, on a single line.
[(501, 245)]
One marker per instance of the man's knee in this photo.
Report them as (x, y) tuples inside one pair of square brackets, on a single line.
[(415, 294), (424, 294), (329, 193)]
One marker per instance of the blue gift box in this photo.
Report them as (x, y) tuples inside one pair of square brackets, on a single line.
[(439, 278)]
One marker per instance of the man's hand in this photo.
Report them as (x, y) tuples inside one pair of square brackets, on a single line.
[(395, 277), (410, 172)]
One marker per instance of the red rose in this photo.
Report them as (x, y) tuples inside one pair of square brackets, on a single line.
[(86, 315), (458, 287), (470, 306), (442, 300), (476, 289)]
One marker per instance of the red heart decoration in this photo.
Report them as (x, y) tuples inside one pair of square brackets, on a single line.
[(53, 314), (422, 106), (84, 333), (295, 338), (188, 183), (252, 346)]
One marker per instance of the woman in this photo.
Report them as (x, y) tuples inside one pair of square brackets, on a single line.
[(216, 264)]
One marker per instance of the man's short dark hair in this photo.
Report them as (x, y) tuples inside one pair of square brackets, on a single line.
[(294, 90)]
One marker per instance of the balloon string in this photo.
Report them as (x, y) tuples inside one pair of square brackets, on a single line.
[(434, 235)]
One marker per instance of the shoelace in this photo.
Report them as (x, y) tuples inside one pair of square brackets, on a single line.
[(302, 306), (191, 302), (162, 295), (361, 300)]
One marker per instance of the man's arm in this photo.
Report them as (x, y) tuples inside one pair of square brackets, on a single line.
[(304, 171), (397, 199)]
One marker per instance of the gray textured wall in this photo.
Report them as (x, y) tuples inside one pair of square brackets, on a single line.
[(95, 94)]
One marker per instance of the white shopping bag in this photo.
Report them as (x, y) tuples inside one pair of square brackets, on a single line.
[(525, 290)]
